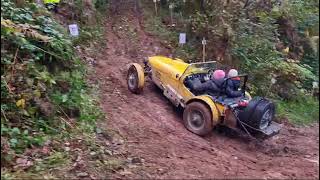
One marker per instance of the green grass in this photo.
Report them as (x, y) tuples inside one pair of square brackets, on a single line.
[(302, 112), (155, 26)]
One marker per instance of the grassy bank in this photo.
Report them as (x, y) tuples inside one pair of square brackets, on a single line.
[(301, 112), (48, 109)]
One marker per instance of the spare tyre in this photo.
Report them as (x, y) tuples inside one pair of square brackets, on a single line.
[(258, 114)]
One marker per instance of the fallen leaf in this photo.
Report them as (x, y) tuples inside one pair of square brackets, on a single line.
[(45, 150), (21, 103)]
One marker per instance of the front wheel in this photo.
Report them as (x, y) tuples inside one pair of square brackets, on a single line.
[(135, 78), (197, 118)]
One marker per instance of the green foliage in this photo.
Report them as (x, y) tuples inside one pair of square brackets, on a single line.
[(155, 26), (101, 5), (304, 12), (305, 16), (88, 34), (20, 139), (302, 112), (253, 48), (170, 36), (77, 97), (42, 81)]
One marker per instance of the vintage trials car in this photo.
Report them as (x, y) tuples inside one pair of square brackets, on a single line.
[(203, 111)]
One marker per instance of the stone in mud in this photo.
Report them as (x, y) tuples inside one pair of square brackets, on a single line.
[(82, 174)]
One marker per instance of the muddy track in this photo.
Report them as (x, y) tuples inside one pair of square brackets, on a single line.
[(153, 128)]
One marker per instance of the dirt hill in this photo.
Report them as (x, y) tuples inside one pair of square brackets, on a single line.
[(152, 129)]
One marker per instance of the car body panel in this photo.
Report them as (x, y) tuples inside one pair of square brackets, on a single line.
[(168, 66), (167, 72), (170, 73)]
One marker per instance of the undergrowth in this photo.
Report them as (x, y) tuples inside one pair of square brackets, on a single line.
[(44, 95), (169, 35), (301, 112)]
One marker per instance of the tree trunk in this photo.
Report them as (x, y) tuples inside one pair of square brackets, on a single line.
[(163, 3), (202, 8), (137, 7), (19, 3)]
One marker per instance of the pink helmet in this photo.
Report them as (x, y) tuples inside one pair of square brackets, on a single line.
[(219, 74)]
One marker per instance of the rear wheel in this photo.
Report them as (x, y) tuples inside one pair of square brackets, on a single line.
[(197, 118), (135, 79)]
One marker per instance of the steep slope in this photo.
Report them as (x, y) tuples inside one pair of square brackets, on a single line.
[(152, 129)]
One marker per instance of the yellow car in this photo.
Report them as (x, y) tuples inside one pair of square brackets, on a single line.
[(203, 111)]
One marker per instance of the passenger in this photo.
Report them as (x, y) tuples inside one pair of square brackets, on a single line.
[(233, 84), (218, 77), (212, 86)]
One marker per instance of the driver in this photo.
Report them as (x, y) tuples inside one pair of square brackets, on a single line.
[(233, 84), (212, 86)]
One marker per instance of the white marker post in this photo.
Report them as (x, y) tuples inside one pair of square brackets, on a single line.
[(182, 38), (155, 6), (74, 31), (171, 15), (315, 86), (273, 80), (204, 43)]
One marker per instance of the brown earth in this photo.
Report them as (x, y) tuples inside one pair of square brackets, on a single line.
[(152, 128)]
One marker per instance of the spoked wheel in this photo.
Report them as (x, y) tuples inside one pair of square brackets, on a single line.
[(266, 118), (135, 78), (197, 118)]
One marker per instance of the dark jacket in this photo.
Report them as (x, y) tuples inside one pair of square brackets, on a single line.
[(232, 87), (211, 86)]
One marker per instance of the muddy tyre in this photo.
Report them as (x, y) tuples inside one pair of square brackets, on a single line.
[(135, 78), (259, 113), (263, 115), (197, 118)]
